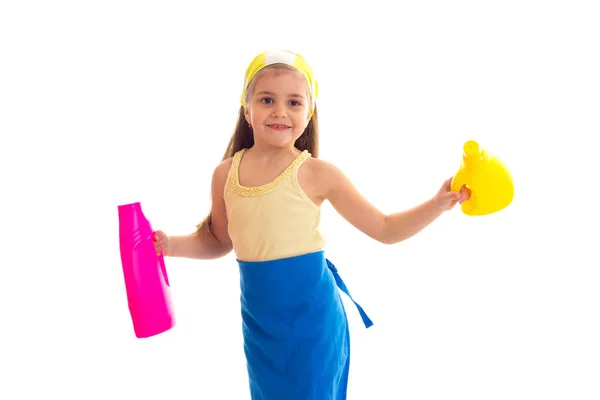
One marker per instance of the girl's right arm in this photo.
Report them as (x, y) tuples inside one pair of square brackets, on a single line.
[(216, 242)]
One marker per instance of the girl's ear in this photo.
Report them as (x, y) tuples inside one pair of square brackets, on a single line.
[(247, 115)]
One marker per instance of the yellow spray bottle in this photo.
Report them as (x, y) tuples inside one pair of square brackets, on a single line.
[(488, 179)]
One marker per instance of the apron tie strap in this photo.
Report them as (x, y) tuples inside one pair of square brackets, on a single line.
[(340, 283)]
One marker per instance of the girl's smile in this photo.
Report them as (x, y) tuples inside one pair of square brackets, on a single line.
[(279, 127)]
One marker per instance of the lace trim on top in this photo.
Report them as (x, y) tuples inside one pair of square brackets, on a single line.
[(269, 187)]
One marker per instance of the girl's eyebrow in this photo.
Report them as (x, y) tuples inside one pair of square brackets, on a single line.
[(265, 92)]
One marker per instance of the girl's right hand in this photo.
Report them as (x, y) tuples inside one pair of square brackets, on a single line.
[(162, 243)]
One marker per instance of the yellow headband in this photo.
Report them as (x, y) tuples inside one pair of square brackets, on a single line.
[(282, 57)]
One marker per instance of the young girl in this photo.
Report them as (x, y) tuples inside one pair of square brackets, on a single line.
[(266, 199)]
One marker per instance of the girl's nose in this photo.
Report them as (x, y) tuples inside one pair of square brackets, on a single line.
[(279, 110)]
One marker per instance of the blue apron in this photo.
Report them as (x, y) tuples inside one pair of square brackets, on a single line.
[(296, 337)]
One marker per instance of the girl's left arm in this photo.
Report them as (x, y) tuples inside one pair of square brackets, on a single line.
[(387, 229)]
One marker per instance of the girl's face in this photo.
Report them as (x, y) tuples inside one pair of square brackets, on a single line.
[(279, 107)]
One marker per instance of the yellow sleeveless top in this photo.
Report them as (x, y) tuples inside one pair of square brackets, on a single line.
[(272, 221)]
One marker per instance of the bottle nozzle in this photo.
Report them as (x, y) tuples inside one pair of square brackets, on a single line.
[(471, 149)]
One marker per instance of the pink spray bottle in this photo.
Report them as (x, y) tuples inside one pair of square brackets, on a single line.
[(146, 281)]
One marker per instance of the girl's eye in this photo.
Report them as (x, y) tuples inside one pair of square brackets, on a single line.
[(266, 100), (295, 103)]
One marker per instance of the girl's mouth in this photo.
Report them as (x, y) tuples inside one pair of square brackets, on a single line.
[(278, 127)]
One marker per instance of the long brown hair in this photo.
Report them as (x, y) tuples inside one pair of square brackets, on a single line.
[(243, 138)]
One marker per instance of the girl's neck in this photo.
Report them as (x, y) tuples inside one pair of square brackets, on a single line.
[(268, 153)]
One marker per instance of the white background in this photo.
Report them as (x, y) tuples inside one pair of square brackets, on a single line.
[(107, 103)]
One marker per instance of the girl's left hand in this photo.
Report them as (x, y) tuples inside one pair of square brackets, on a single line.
[(446, 199)]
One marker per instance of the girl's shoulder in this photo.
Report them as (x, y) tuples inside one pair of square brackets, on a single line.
[(319, 166), (319, 175), (225, 165), (221, 171)]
